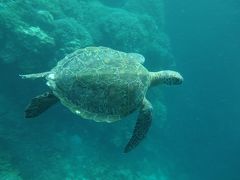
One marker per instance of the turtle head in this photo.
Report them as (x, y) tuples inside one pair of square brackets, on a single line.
[(167, 77)]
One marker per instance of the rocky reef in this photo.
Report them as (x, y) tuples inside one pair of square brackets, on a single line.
[(35, 33)]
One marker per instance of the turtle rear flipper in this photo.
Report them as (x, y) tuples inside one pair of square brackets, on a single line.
[(142, 126), (39, 104), (34, 76)]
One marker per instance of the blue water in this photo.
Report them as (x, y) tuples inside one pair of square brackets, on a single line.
[(205, 40), (195, 131)]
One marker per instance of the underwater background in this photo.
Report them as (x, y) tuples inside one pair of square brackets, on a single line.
[(195, 132)]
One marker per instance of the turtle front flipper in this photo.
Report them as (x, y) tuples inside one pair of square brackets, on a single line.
[(39, 104), (142, 126)]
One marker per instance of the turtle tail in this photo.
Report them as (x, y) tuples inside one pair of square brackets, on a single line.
[(34, 76)]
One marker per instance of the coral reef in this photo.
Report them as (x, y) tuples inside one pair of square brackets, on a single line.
[(69, 36), (23, 43), (35, 33)]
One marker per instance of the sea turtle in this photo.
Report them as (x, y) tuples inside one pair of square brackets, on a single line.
[(103, 85)]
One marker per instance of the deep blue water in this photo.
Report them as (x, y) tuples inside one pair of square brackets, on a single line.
[(195, 131), (205, 40)]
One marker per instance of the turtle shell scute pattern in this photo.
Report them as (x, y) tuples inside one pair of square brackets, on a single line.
[(100, 83)]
